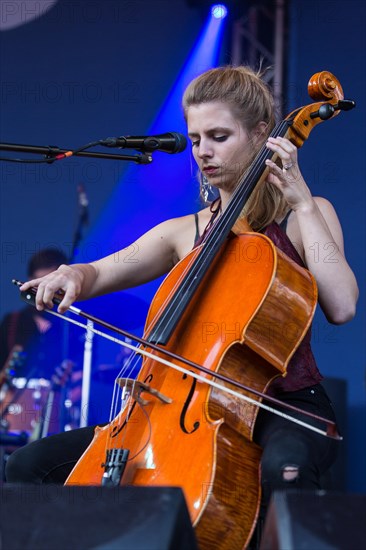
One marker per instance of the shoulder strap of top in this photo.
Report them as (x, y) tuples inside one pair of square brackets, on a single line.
[(215, 208)]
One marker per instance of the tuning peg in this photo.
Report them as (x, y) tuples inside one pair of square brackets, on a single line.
[(327, 110)]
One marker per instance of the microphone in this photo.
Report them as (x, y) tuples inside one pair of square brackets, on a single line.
[(171, 142)]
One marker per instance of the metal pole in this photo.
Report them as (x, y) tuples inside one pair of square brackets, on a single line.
[(87, 363), (278, 56)]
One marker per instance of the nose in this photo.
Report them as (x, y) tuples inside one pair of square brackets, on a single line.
[(204, 149)]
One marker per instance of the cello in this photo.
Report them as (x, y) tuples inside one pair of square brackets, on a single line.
[(187, 433)]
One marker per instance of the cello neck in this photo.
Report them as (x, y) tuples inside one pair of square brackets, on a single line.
[(165, 325)]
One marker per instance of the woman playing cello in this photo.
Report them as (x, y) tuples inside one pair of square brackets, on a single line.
[(229, 113)]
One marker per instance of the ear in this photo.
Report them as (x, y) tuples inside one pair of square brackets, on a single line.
[(259, 133)]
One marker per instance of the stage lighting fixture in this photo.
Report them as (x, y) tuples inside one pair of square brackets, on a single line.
[(219, 11)]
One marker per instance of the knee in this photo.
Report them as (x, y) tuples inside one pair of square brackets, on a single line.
[(282, 471), (290, 472), (18, 468), (286, 460)]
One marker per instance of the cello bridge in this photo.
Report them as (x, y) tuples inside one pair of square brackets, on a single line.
[(135, 388)]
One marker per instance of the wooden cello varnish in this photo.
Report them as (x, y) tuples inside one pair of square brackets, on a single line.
[(207, 448)]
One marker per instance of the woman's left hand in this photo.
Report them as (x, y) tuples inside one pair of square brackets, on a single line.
[(288, 178)]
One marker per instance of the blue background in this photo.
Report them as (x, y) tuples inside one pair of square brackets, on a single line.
[(88, 70)]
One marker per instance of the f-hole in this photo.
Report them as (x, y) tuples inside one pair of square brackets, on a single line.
[(196, 425)]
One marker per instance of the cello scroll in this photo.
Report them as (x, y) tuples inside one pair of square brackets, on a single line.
[(324, 87)]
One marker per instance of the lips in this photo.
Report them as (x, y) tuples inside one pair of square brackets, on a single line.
[(210, 170)]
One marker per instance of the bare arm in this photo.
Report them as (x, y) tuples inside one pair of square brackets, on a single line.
[(152, 255), (318, 229)]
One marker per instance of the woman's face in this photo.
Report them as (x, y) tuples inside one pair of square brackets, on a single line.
[(221, 146)]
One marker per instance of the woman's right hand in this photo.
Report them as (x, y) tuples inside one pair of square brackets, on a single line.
[(65, 284)]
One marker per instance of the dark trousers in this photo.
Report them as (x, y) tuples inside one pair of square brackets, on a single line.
[(287, 445), (293, 456), (49, 460)]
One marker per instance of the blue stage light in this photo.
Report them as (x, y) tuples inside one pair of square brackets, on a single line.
[(219, 11), (120, 222)]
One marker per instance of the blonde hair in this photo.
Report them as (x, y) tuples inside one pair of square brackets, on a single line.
[(251, 102)]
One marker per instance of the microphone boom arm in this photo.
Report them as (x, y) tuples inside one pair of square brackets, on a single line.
[(51, 152)]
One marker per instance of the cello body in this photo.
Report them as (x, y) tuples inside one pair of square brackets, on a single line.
[(249, 315)]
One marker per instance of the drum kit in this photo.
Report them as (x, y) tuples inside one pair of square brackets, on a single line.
[(32, 408)]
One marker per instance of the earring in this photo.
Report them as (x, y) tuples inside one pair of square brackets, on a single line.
[(206, 188)]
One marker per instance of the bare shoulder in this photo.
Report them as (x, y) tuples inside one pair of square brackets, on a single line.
[(182, 232), (150, 256), (325, 206)]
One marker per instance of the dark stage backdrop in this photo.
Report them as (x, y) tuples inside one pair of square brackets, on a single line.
[(87, 70), (329, 36)]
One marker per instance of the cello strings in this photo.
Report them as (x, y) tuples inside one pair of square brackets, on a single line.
[(195, 266), (121, 400), (160, 312)]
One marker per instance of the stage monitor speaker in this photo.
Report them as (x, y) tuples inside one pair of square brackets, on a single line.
[(52, 517), (315, 520)]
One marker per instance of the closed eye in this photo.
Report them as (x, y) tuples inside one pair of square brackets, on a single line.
[(215, 138)]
